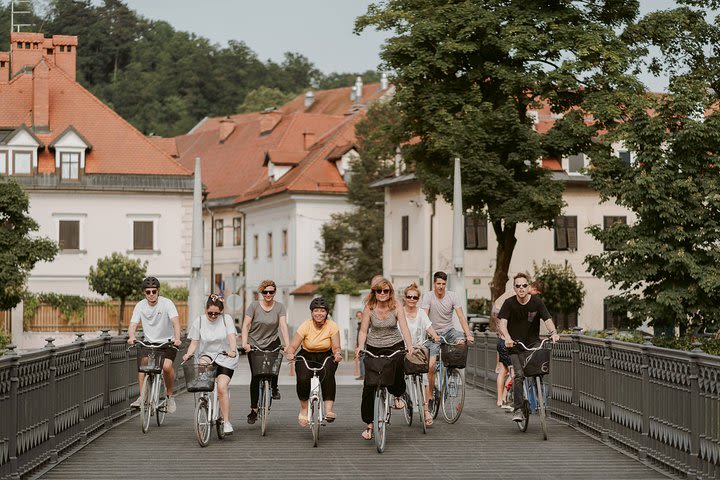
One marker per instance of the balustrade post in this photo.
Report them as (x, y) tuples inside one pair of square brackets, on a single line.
[(696, 414), (607, 389), (645, 392), (14, 386), (80, 394), (106, 376), (52, 403), (575, 377)]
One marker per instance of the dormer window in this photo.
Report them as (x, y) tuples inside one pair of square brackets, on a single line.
[(70, 148), (70, 165), (575, 164), (19, 152), (22, 162)]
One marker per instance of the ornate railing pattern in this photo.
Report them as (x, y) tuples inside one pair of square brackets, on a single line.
[(52, 400), (661, 405)]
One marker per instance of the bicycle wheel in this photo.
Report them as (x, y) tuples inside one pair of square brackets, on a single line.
[(420, 400), (437, 389), (453, 396), (264, 404), (202, 422), (161, 408), (380, 418), (523, 426), (408, 408), (146, 402), (220, 427), (541, 405), (315, 420)]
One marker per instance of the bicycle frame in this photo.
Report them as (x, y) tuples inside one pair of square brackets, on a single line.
[(534, 386), (449, 384), (381, 417), (264, 396), (152, 406), (315, 398)]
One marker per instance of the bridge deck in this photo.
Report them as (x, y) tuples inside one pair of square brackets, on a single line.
[(484, 443)]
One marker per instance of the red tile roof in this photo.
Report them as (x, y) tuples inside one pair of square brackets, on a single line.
[(305, 289)]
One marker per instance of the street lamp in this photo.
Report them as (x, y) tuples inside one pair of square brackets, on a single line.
[(212, 248)]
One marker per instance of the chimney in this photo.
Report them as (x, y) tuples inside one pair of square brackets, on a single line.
[(358, 89), (353, 96), (227, 126), (308, 140), (64, 51), (309, 99), (25, 50), (4, 67), (384, 81), (41, 97), (268, 121)]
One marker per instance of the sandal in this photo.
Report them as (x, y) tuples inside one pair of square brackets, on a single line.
[(330, 417), (428, 418), (399, 403), (367, 434), (303, 420)]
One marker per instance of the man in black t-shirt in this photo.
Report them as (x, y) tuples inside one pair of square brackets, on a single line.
[(519, 321)]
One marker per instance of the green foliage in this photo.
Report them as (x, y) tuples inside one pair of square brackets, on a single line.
[(117, 276), (20, 250), (339, 80), (328, 289), (263, 98), (176, 294), (466, 74), (709, 345), (562, 291), (481, 306), (5, 340), (71, 307)]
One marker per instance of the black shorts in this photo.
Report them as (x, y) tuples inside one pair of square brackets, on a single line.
[(503, 353), (220, 369), (170, 352)]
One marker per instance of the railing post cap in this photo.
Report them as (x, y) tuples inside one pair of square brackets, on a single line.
[(11, 352), (105, 333), (696, 347), (49, 343), (79, 338)]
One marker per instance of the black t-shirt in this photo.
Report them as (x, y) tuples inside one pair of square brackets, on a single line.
[(524, 320)]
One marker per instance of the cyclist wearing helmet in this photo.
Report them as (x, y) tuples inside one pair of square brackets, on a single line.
[(320, 338), (160, 322)]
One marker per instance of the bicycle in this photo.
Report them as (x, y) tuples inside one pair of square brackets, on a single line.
[(416, 395), (200, 378), (449, 389), (533, 370), (153, 396), (382, 410), (266, 364), (316, 407)]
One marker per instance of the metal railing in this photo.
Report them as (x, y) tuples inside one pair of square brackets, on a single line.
[(54, 399), (658, 404)]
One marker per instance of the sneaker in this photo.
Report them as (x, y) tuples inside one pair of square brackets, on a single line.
[(136, 403), (171, 407), (227, 428), (359, 377), (252, 417), (276, 394), (518, 415)]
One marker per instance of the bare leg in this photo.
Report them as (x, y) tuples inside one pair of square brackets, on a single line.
[(502, 374), (169, 375), (329, 406), (223, 397), (431, 376)]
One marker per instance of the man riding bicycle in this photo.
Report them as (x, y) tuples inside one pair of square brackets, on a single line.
[(519, 321), (160, 322)]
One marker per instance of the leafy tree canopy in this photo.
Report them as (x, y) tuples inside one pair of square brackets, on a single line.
[(562, 291), (20, 250), (117, 276), (263, 98)]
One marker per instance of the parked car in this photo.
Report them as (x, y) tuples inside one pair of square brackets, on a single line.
[(477, 322)]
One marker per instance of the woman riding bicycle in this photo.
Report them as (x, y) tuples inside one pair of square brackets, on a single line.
[(420, 328), (263, 321), (379, 334), (212, 334), (320, 338)]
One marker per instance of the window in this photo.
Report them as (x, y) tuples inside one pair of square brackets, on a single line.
[(576, 163), (611, 318), (22, 163), (625, 156), (405, 232), (564, 321), (609, 221), (237, 231), (3, 163), (142, 235), (256, 246), (284, 242), (70, 165), (219, 233), (69, 234), (269, 245), (476, 233), (566, 233)]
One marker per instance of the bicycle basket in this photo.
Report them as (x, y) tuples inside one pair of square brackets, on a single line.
[(536, 362), (418, 362), (455, 355), (379, 372), (265, 363), (199, 378), (150, 360)]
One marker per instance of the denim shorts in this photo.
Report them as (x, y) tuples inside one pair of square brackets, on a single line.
[(503, 353), (451, 336)]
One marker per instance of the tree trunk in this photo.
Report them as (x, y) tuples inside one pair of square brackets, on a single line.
[(505, 246), (120, 315)]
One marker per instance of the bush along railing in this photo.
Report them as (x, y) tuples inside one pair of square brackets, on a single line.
[(657, 404), (55, 399)]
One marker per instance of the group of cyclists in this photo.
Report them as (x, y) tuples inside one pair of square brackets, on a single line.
[(386, 326)]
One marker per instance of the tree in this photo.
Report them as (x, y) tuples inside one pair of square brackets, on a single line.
[(119, 277), (467, 72), (263, 98), (20, 250), (562, 292), (666, 264)]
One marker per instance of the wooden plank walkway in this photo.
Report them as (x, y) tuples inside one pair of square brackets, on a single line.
[(483, 444)]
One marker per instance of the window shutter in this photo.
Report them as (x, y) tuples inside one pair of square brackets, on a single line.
[(560, 234), (405, 233), (470, 233), (482, 234), (143, 236), (571, 226), (69, 235)]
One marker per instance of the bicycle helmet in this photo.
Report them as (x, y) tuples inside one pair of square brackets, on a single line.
[(319, 302), (150, 282)]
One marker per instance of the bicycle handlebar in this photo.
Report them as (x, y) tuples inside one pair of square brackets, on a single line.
[(444, 340), (213, 358), (313, 369), (253, 348), (542, 344), (169, 343), (367, 352)]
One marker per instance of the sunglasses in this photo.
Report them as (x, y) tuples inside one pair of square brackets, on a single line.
[(382, 290), (268, 292), (412, 297), (213, 314), (521, 285), (151, 292)]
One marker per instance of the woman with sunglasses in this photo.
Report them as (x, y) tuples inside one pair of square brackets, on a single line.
[(420, 328), (380, 335), (264, 322), (210, 335)]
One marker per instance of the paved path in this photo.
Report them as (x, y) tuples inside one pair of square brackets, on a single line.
[(483, 444)]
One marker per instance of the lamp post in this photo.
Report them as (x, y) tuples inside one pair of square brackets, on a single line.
[(212, 248)]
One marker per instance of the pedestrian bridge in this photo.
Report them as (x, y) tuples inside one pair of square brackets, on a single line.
[(619, 411)]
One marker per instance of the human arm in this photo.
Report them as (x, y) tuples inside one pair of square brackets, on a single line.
[(433, 334), (502, 324), (404, 330), (131, 333), (552, 331), (362, 333), (191, 350), (176, 330), (231, 336), (284, 329), (245, 329), (464, 324), (293, 346), (337, 350)]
